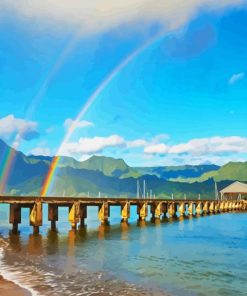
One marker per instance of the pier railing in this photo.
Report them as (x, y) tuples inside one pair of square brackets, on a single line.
[(77, 208)]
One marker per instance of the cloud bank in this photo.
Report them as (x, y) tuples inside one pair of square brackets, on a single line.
[(97, 16), (81, 124), (91, 145), (44, 151), (203, 146), (20, 128), (216, 149)]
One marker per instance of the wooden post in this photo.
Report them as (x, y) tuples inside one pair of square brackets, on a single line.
[(234, 206), (181, 209), (164, 209), (103, 213), (205, 208), (74, 212), (171, 210), (199, 209), (82, 214), (211, 207), (222, 206), (190, 209), (216, 207), (142, 210), (15, 216), (156, 210), (125, 211), (53, 215), (36, 216), (230, 206), (226, 206)]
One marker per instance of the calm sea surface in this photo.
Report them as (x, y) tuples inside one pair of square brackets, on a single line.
[(199, 256)]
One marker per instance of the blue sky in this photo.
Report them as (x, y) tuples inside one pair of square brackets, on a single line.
[(182, 99)]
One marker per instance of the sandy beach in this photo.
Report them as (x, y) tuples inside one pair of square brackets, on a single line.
[(8, 288)]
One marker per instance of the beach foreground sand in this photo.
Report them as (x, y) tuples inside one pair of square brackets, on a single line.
[(8, 288)]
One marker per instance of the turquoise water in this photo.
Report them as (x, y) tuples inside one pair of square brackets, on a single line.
[(198, 256)]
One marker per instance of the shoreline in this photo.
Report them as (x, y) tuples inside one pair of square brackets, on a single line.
[(9, 288)]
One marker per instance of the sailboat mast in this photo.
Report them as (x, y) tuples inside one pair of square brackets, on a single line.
[(137, 189), (216, 191), (144, 189)]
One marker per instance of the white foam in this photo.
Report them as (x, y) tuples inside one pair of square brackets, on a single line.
[(10, 276)]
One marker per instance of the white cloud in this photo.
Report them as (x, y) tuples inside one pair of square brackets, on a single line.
[(103, 15), (85, 147), (40, 151), (80, 124), (203, 146), (137, 143), (235, 77), (158, 138), (156, 149), (92, 145), (143, 143), (20, 128)]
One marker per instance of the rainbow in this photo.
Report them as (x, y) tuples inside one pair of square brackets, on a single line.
[(7, 161), (46, 188), (49, 176)]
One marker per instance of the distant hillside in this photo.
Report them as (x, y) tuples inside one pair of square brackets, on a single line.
[(230, 171), (113, 177), (80, 182), (173, 172), (109, 166)]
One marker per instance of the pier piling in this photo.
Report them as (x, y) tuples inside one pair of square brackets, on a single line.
[(142, 210), (74, 212), (53, 215), (83, 215), (14, 216), (78, 209), (104, 213), (36, 216), (125, 212)]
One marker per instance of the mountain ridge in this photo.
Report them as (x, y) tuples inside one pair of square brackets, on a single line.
[(109, 176)]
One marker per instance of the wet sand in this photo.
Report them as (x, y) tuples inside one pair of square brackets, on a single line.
[(8, 288)]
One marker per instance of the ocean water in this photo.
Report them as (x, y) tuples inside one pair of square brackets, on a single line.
[(197, 256)]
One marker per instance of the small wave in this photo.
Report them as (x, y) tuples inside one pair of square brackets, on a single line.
[(10, 276)]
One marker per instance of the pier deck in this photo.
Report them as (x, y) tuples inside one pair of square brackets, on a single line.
[(77, 208)]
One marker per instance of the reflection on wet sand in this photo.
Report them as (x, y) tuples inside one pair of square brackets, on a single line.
[(15, 242), (52, 245), (35, 244)]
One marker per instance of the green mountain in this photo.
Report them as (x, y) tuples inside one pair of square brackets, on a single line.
[(109, 166), (230, 171), (178, 172), (112, 177)]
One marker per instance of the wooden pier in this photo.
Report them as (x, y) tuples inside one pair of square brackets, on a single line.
[(77, 208)]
